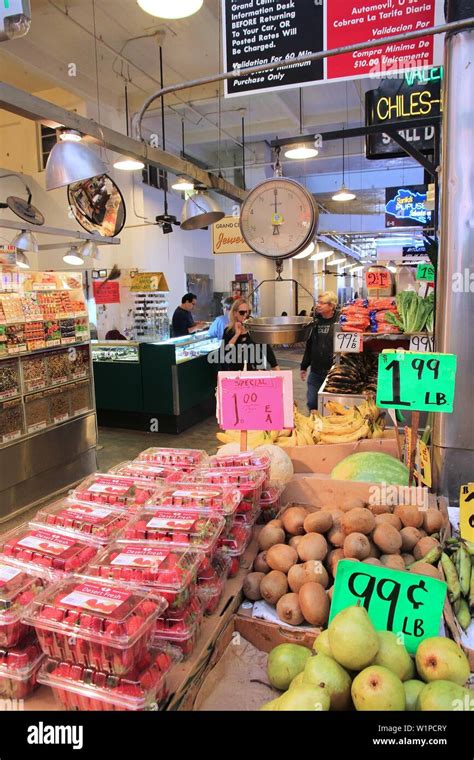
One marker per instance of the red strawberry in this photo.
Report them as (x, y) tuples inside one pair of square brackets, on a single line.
[(25, 598), (129, 690), (134, 624), (52, 613)]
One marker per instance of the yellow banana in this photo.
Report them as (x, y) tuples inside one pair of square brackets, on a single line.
[(361, 432), (337, 408), (227, 437)]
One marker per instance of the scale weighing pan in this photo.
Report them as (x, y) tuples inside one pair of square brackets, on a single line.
[(24, 210)]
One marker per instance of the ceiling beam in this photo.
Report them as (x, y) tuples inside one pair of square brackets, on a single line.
[(31, 107), (37, 229)]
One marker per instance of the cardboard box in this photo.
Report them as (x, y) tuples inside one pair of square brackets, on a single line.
[(321, 458)]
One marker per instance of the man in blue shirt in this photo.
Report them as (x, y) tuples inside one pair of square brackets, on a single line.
[(217, 328), (183, 322)]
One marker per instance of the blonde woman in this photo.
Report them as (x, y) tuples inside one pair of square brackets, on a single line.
[(319, 352), (240, 349)]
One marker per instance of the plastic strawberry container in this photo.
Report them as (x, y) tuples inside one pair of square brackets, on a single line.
[(198, 497), (19, 667), (17, 590), (248, 459), (186, 459), (212, 578), (94, 623), (99, 524), (182, 628), (112, 490), (77, 687), (175, 527), (171, 572), (248, 482), (235, 541), (48, 553), (270, 503), (158, 473)]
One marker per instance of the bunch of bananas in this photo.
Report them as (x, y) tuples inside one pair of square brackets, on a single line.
[(458, 567), (254, 437)]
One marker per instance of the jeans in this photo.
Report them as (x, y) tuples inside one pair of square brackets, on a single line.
[(315, 381)]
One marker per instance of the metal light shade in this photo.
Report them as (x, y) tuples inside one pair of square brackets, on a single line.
[(90, 248), (199, 211), (26, 241), (21, 261), (71, 162)]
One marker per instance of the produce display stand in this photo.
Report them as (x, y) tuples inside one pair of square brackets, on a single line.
[(322, 457)]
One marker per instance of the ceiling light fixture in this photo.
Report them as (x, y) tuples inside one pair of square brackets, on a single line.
[(21, 261), (321, 255), (128, 164), (26, 241), (73, 257), (70, 135), (340, 260), (183, 185), (344, 194), (302, 150), (71, 162), (89, 249), (170, 8), (306, 252), (199, 211)]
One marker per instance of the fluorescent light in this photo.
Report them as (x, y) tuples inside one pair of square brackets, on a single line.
[(321, 255), (26, 241), (21, 260), (73, 257), (307, 252), (128, 164), (70, 135), (344, 194), (356, 268), (170, 8), (301, 151), (337, 261), (183, 185)]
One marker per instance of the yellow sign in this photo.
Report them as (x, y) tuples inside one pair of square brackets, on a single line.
[(424, 466), (227, 236), (149, 282), (466, 514)]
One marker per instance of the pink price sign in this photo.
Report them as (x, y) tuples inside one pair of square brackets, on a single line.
[(251, 403)]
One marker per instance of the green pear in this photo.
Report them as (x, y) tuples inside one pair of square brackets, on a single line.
[(393, 655), (284, 663), (305, 697), (272, 705), (352, 638), (377, 688), (412, 692), (321, 643), (441, 659), (445, 696), (326, 673), (297, 680)]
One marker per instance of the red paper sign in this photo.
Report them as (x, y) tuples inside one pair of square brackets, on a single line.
[(106, 292), (352, 21), (377, 280), (251, 404)]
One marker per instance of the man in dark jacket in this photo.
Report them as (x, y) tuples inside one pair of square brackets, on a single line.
[(319, 352)]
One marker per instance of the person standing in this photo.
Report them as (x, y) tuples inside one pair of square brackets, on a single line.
[(217, 328), (239, 346), (183, 322), (319, 352)]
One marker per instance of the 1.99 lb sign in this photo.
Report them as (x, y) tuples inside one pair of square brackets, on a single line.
[(416, 382)]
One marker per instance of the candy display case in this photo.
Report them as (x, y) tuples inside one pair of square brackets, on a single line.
[(97, 624), (19, 667), (175, 527), (100, 525), (115, 351)]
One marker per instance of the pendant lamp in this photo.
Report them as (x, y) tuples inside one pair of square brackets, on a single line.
[(344, 194)]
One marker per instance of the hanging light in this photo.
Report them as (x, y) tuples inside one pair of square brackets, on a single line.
[(128, 164), (70, 135), (170, 8), (21, 260), (392, 268), (344, 194), (301, 151), (73, 257), (71, 162), (183, 185), (356, 268), (199, 211), (89, 249), (321, 255), (307, 251), (340, 260), (26, 241)]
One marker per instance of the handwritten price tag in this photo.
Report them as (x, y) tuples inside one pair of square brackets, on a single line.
[(422, 343), (251, 404), (376, 280), (404, 603), (348, 343), (416, 382), (425, 272), (466, 514)]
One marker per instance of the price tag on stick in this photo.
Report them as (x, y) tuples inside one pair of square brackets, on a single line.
[(425, 272), (466, 513), (416, 382), (378, 279), (348, 343), (407, 604), (251, 403), (419, 343)]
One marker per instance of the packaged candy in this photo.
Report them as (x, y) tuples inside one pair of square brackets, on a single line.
[(212, 578), (178, 528), (158, 473), (114, 490), (77, 687), (181, 628), (186, 459), (19, 667), (171, 572), (17, 590), (94, 623), (45, 552), (99, 524)]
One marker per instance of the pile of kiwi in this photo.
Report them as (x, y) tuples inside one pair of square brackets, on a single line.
[(299, 552)]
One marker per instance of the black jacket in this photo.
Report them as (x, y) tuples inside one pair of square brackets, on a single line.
[(246, 350), (319, 352)]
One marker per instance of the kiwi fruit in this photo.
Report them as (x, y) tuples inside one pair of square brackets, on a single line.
[(387, 538), (410, 516), (423, 533), (408, 558), (423, 546), (393, 561), (372, 561), (269, 536), (410, 537), (318, 522), (336, 535), (357, 546), (313, 570), (387, 518), (289, 610), (294, 541), (281, 557), (358, 520), (353, 502), (423, 568), (251, 586), (433, 520), (261, 565), (273, 586), (374, 550), (379, 509), (293, 519), (275, 523), (312, 546), (314, 603), (333, 558)]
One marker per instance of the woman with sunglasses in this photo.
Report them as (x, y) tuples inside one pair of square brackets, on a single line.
[(239, 346)]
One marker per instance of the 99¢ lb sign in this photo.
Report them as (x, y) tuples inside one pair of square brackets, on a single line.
[(416, 382), (406, 604)]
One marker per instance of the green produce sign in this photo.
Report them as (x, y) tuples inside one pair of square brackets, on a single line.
[(406, 604), (416, 382), (425, 272)]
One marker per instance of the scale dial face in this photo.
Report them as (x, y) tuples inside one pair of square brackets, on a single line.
[(279, 218)]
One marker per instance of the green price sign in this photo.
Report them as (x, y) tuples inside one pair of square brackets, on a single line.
[(425, 272), (416, 382), (407, 604)]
